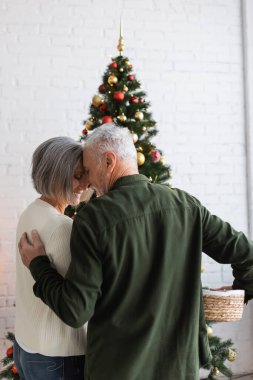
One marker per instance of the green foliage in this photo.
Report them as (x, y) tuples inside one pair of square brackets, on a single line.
[(130, 111), (221, 351)]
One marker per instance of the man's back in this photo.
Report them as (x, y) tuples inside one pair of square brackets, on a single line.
[(146, 321)]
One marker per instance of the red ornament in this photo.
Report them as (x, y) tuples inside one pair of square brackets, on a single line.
[(102, 108), (134, 99), (118, 96), (130, 77), (155, 155), (85, 131), (14, 369), (114, 65), (101, 88), (9, 352), (106, 119), (141, 100)]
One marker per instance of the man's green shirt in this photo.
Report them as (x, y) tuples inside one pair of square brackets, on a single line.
[(135, 276)]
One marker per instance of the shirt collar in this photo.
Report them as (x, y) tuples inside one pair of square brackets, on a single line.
[(128, 180)]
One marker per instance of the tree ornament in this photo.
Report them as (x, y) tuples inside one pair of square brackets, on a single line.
[(141, 100), (113, 65), (14, 369), (140, 158), (134, 99), (135, 137), (138, 115), (231, 355), (106, 119), (125, 88), (209, 330), (202, 268), (215, 371), (112, 80), (128, 64), (9, 351), (155, 155), (122, 117), (85, 131), (121, 69), (101, 88), (88, 125), (144, 129), (130, 77), (97, 100), (102, 107), (118, 96)]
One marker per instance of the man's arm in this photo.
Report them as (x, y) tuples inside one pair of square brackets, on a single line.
[(72, 298), (227, 246)]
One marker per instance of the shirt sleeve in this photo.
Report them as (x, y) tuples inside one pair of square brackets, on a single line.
[(228, 246), (72, 298)]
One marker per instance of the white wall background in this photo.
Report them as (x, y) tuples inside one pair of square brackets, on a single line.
[(188, 55)]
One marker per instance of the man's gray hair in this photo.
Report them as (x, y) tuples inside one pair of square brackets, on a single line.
[(110, 137), (53, 164)]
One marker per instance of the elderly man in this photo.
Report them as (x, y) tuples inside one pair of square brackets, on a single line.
[(135, 269)]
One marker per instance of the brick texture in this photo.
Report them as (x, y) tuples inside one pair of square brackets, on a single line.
[(187, 55)]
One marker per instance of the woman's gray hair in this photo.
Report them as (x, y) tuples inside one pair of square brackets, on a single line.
[(53, 164), (110, 137)]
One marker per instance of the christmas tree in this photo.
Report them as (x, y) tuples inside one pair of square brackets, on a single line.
[(120, 100), (221, 351), (9, 370)]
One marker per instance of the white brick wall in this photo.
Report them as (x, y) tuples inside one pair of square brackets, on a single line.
[(187, 55)]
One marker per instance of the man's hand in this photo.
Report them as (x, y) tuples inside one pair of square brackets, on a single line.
[(28, 251), (223, 288)]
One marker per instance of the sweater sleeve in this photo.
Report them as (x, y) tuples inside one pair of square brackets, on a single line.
[(228, 246), (72, 298)]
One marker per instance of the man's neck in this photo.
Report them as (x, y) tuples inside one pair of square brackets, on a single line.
[(122, 171)]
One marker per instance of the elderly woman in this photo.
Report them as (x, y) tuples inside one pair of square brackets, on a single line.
[(45, 347)]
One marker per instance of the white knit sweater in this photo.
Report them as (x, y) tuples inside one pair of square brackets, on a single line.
[(37, 328)]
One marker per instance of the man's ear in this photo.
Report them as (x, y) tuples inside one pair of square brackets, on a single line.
[(110, 161)]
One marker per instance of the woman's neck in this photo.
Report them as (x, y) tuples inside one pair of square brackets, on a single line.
[(60, 206)]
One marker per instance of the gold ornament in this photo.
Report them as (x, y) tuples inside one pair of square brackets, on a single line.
[(122, 117), (88, 124), (140, 158), (125, 88), (112, 80), (215, 371), (121, 46), (135, 137), (138, 115), (144, 129), (139, 149), (97, 100), (209, 330), (231, 355)]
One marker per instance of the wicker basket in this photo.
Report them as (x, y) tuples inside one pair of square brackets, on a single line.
[(223, 306)]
